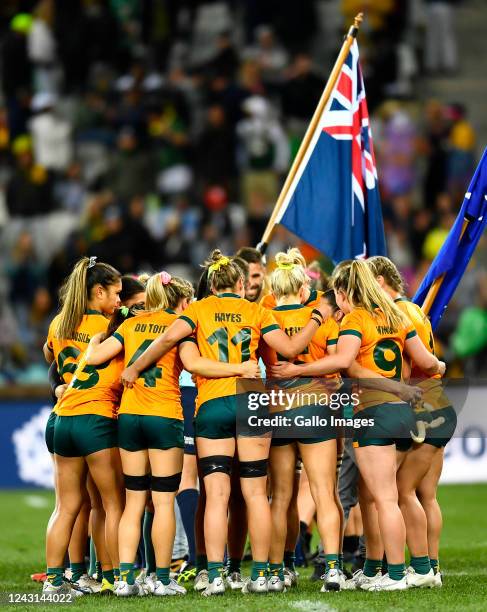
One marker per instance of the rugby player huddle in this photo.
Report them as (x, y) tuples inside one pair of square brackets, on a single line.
[(125, 452)]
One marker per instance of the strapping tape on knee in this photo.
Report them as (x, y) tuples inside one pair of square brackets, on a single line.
[(216, 463), (253, 469), (166, 484), (137, 483)]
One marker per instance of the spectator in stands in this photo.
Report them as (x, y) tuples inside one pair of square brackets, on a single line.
[(70, 190), (440, 42), (263, 149), (42, 48), (270, 55), (51, 134), (29, 190), (434, 147), (396, 150), (461, 152), (301, 91), (25, 275), (214, 154), (16, 73), (131, 171)]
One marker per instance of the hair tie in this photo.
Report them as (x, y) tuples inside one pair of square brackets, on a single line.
[(313, 274), (92, 262), (286, 266), (223, 261), (125, 311), (165, 278)]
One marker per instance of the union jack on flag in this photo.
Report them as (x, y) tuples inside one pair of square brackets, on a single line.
[(333, 202)]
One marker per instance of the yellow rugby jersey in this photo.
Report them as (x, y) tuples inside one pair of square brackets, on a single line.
[(93, 389), (433, 393), (156, 392), (269, 301), (291, 319), (423, 328), (380, 351), (67, 352), (228, 329)]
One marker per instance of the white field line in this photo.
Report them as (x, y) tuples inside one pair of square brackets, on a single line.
[(36, 501), (311, 606)]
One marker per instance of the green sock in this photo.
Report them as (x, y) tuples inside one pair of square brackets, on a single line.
[(109, 575), (340, 562), (259, 568), (276, 569), (116, 573), (93, 564), (127, 573), (233, 565), (421, 565), (162, 574), (215, 569), (289, 559), (150, 558), (331, 562), (55, 575), (201, 563), (77, 569), (396, 571), (435, 565), (99, 571), (372, 566)]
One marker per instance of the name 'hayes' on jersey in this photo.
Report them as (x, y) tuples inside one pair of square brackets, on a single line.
[(228, 329)]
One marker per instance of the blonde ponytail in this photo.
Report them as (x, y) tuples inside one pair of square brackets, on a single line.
[(289, 275), (383, 266), (363, 291), (76, 292), (165, 291), (223, 272)]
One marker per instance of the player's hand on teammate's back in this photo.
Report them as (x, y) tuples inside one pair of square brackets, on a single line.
[(410, 393), (284, 369), (129, 376), (250, 369), (59, 391), (98, 338)]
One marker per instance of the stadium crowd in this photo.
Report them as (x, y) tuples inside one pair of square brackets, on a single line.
[(171, 133)]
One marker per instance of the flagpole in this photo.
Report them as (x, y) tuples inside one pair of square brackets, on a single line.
[(429, 300), (342, 56)]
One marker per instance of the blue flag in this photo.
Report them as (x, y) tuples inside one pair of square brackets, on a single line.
[(333, 202), (457, 249)]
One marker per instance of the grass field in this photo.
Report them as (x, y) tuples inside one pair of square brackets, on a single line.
[(23, 517)]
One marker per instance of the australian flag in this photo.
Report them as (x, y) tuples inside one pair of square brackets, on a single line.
[(333, 202), (452, 260)]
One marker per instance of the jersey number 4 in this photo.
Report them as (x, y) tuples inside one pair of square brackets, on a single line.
[(150, 375), (220, 336)]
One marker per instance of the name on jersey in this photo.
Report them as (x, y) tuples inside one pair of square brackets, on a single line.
[(385, 331), (152, 328), (228, 317), (80, 337)]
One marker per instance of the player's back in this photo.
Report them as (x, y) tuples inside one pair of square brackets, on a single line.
[(228, 329), (67, 351), (380, 350), (156, 391), (423, 328), (93, 389)]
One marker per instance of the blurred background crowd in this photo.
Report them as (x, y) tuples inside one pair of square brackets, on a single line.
[(148, 132)]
